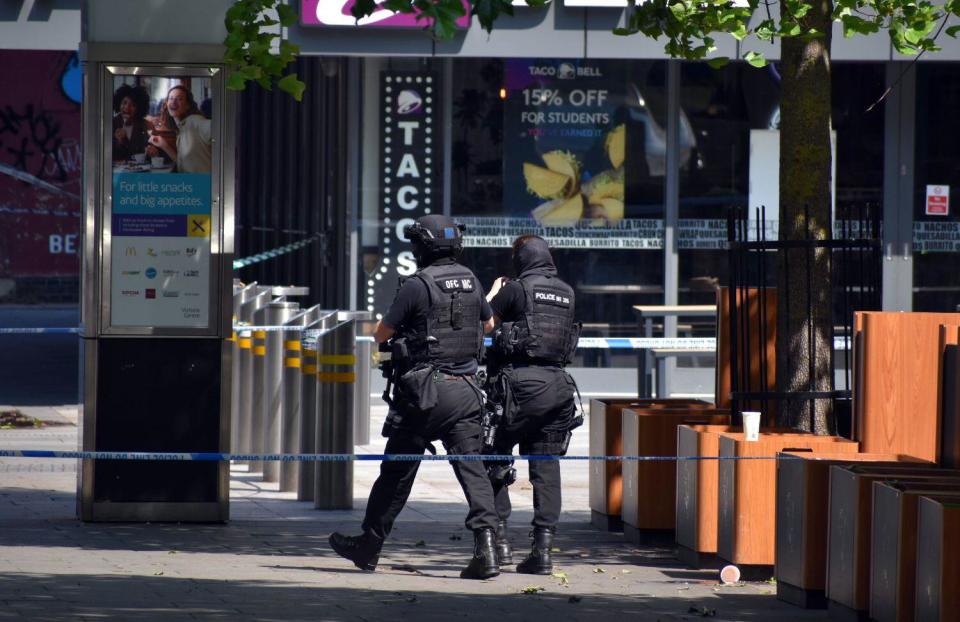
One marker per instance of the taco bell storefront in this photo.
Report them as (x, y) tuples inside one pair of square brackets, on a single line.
[(626, 161)]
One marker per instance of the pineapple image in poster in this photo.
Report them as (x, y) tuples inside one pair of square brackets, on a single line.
[(566, 167)]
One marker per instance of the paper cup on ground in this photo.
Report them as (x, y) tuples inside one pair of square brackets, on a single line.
[(751, 425), (729, 575)]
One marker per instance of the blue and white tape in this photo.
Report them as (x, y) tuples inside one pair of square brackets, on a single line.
[(276, 252), (226, 457)]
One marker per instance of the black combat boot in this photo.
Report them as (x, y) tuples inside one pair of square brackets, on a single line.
[(538, 561), (504, 553), (363, 550), (484, 562)]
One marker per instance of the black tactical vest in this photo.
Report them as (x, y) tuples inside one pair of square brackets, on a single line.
[(546, 331), (452, 332)]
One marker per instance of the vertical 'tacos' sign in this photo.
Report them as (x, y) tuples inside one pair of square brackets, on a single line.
[(411, 174)]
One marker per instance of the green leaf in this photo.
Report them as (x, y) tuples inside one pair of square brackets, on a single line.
[(624, 32), (719, 62), (290, 84), (755, 58), (287, 15), (237, 81), (362, 8), (740, 32), (952, 31)]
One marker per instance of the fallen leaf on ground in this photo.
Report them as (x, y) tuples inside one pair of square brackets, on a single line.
[(533, 589), (625, 571), (562, 576), (554, 550), (171, 552), (599, 570), (703, 612), (405, 568), (158, 573)]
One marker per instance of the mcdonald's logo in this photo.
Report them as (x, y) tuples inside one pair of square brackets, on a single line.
[(131, 251)]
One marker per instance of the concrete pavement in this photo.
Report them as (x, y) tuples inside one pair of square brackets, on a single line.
[(271, 561)]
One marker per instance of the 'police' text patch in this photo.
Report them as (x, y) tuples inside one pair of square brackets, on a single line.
[(548, 297)]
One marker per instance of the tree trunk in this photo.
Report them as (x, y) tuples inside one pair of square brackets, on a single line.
[(804, 318)]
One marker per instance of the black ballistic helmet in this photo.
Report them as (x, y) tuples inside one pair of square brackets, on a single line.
[(435, 237)]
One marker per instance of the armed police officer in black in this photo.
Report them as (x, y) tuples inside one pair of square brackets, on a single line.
[(435, 327), (536, 338)]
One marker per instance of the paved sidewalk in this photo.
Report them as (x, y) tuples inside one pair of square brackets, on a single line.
[(271, 561)]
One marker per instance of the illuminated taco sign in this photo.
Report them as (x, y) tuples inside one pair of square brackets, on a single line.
[(337, 13)]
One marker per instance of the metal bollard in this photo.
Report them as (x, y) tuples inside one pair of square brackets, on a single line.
[(277, 313), (259, 297), (336, 380), (290, 410), (308, 402), (365, 350), (258, 405), (241, 295)]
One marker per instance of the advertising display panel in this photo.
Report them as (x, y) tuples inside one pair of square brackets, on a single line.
[(161, 219)]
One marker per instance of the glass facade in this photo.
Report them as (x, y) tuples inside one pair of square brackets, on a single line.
[(577, 151)]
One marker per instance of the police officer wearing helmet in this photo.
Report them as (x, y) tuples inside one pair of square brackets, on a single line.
[(535, 341), (435, 326)]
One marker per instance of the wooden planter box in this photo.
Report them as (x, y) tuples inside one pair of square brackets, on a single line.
[(803, 492), (938, 560), (850, 527), (649, 488), (697, 484), (893, 547), (606, 477), (747, 492)]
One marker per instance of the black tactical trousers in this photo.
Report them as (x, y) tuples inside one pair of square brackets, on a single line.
[(544, 410), (455, 421)]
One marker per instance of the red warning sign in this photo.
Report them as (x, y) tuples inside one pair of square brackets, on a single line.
[(938, 201)]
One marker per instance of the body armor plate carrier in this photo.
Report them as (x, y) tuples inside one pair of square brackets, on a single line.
[(452, 332), (547, 332)]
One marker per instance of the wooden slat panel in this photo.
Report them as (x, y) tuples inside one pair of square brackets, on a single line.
[(723, 371), (899, 408)]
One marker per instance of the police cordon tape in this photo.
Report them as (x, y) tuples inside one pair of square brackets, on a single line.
[(276, 252), (692, 344), (226, 457)]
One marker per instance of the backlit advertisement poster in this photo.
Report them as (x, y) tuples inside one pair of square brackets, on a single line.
[(579, 137), (161, 209), (40, 168)]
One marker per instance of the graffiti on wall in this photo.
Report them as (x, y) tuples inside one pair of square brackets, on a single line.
[(40, 164)]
